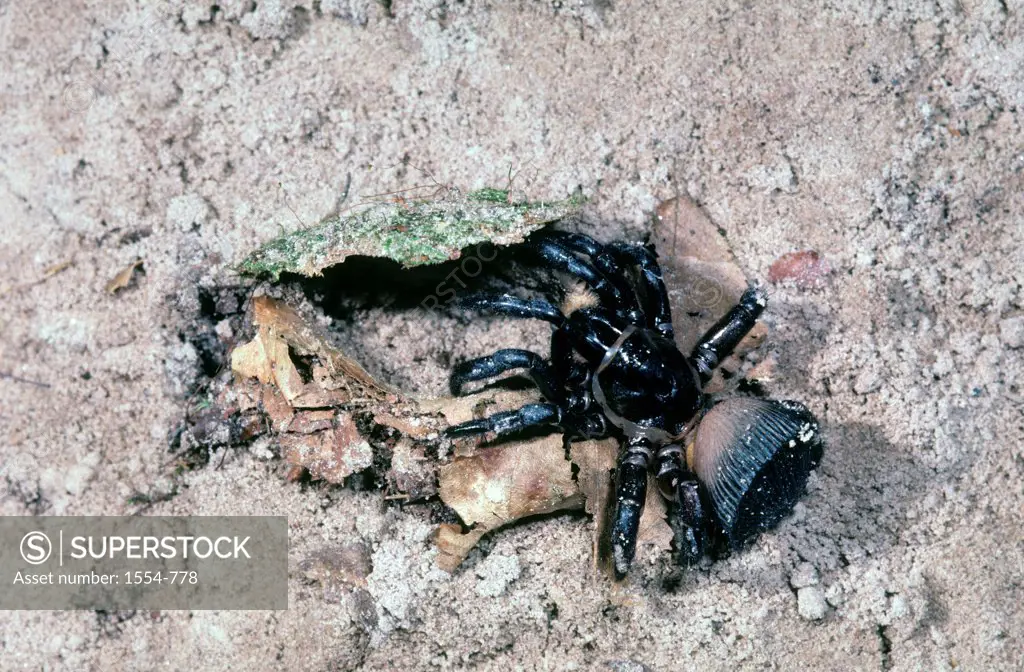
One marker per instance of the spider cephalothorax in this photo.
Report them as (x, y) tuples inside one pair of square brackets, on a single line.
[(615, 370)]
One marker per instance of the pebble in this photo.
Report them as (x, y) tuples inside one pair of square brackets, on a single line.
[(868, 381), (811, 603)]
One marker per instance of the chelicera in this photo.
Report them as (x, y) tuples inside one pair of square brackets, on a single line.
[(730, 469)]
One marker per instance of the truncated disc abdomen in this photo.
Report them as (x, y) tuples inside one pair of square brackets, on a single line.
[(754, 456)]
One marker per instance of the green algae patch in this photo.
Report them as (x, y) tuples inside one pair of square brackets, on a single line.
[(413, 233)]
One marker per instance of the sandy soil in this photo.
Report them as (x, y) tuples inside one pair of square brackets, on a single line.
[(885, 135)]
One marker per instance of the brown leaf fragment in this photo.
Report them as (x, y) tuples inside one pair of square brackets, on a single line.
[(311, 397), (308, 339), (250, 360), (453, 546), (330, 455), (310, 422), (412, 472), (268, 359), (596, 463), (473, 406), (277, 408), (700, 270), (338, 568), (415, 427), (496, 486), (654, 530), (285, 376), (123, 277)]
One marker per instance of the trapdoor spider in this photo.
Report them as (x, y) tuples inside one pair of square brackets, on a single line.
[(615, 370)]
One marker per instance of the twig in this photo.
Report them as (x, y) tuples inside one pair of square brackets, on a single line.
[(19, 379)]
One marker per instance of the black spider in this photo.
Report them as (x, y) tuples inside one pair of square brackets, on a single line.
[(615, 370)]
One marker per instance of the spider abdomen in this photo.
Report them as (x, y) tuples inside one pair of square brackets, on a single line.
[(754, 457)]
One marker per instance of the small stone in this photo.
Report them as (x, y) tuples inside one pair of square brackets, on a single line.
[(898, 607), (805, 574), (811, 603), (1011, 332), (867, 382)]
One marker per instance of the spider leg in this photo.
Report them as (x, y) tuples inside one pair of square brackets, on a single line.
[(606, 262), (505, 360), (719, 341), (509, 422), (610, 259), (562, 259), (657, 308), (630, 494), (506, 304), (686, 513)]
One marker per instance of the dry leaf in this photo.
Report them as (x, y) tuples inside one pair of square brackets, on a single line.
[(412, 473), (471, 406), (330, 455), (453, 546), (596, 463), (250, 360), (310, 422), (496, 486), (654, 528), (266, 358), (338, 568), (277, 409), (700, 270), (307, 339), (703, 279), (414, 427), (122, 279)]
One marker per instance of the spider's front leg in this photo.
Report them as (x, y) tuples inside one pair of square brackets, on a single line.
[(630, 495)]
